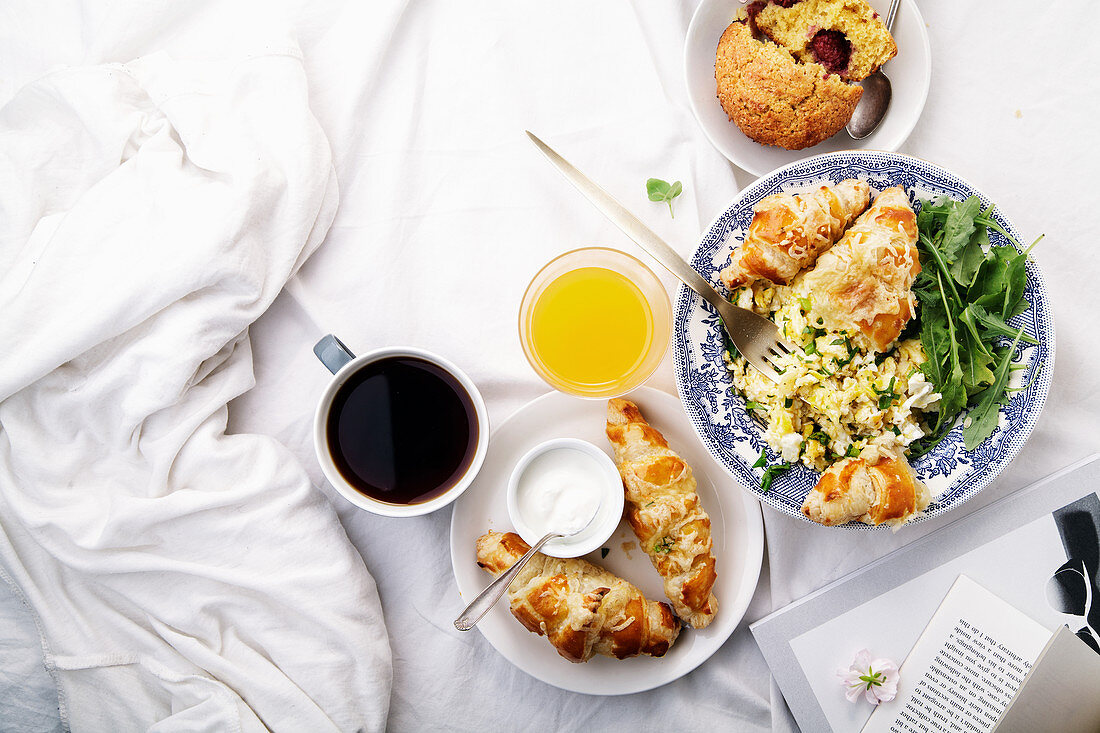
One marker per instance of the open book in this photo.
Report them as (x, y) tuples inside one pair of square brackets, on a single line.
[(1038, 550), (965, 668)]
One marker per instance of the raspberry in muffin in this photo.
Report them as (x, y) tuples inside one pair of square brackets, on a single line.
[(847, 37)]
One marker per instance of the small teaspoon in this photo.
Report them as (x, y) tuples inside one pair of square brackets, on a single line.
[(492, 593), (876, 95)]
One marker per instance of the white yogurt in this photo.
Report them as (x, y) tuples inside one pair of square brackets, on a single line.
[(560, 491)]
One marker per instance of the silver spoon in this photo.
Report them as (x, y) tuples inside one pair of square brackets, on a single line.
[(876, 95), (487, 598)]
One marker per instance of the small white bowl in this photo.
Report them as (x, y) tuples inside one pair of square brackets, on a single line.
[(610, 511)]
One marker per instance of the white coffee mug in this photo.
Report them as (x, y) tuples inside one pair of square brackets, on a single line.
[(344, 365)]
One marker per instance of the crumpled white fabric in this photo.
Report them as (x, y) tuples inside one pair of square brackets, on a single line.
[(182, 578)]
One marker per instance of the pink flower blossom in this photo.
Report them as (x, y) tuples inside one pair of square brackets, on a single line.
[(876, 680)]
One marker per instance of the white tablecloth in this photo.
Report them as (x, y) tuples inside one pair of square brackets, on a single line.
[(446, 212)]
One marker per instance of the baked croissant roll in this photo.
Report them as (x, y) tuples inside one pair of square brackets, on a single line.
[(663, 509), (863, 284), (852, 489), (581, 608), (789, 231)]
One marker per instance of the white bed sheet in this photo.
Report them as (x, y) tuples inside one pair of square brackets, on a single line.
[(446, 209)]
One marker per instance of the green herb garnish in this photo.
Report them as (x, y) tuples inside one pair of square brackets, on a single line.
[(603, 552), (770, 472), (886, 396), (659, 190), (665, 545)]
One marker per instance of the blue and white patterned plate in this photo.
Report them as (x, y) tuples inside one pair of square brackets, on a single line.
[(952, 473)]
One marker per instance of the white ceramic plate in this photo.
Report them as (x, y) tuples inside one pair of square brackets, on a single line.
[(736, 527), (909, 72), (735, 439)]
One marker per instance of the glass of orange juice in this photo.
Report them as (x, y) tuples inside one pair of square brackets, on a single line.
[(595, 322)]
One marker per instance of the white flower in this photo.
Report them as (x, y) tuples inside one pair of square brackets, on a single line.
[(877, 680)]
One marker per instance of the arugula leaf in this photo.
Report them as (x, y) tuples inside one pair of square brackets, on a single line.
[(952, 392), (984, 417), (975, 361), (992, 325), (1017, 281), (659, 190), (975, 356), (934, 339), (958, 227), (942, 268), (971, 257), (999, 283), (966, 290)]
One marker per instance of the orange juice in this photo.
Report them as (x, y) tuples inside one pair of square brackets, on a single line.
[(591, 328)]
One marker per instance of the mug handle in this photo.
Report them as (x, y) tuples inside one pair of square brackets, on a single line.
[(332, 353)]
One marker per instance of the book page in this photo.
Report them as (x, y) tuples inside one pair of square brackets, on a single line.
[(965, 667)]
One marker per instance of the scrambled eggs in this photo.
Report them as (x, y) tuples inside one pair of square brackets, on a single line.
[(839, 398)]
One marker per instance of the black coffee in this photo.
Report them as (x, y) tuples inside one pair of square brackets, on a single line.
[(402, 430)]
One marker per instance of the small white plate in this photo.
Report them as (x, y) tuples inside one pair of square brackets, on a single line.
[(736, 528), (910, 72)]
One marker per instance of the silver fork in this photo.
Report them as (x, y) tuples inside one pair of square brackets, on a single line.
[(757, 338)]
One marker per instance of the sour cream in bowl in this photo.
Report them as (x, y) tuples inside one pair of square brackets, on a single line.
[(557, 487)]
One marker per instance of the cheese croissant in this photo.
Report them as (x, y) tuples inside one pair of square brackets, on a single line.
[(663, 509), (863, 284), (581, 608), (885, 491), (789, 231)]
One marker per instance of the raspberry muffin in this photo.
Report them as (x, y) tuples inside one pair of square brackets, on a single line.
[(783, 67)]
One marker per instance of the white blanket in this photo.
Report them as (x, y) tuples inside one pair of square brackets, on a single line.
[(182, 578)]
